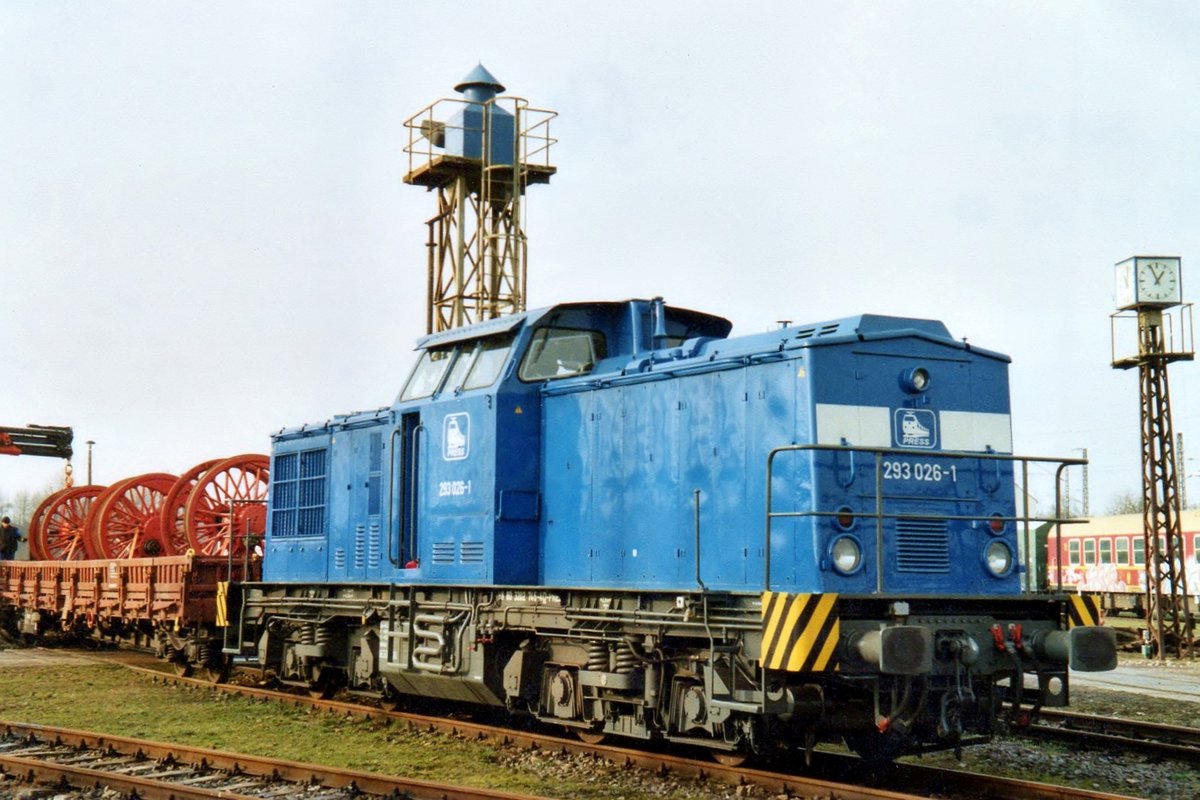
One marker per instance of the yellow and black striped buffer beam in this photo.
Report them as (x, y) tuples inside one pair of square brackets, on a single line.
[(1083, 609), (800, 632), (222, 604)]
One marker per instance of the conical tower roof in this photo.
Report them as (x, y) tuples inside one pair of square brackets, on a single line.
[(479, 77)]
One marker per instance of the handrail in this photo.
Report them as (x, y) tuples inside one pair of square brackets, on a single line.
[(399, 429), (879, 516), (415, 488), (427, 130)]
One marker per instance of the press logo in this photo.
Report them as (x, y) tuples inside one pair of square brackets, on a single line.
[(456, 436), (916, 427)]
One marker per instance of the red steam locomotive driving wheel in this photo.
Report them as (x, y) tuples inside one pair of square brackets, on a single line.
[(58, 530), (126, 519), (173, 522), (228, 503)]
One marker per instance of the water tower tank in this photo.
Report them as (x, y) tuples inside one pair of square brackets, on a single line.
[(481, 120)]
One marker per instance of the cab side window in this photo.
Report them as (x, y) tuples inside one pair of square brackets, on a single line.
[(427, 375), (561, 352), (493, 353)]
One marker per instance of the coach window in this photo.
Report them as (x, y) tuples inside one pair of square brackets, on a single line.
[(427, 375), (1073, 552), (1089, 551), (561, 352), (1106, 551), (1123, 550), (1196, 547), (1139, 551)]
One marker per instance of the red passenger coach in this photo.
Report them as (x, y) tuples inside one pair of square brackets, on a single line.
[(1107, 556)]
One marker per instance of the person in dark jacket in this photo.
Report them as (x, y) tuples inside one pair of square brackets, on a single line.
[(10, 537)]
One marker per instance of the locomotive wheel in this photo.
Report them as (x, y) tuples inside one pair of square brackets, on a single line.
[(126, 518), (228, 502), (172, 508), (58, 530), (875, 748), (728, 758), (591, 737)]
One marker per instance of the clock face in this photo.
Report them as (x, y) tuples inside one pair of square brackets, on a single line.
[(1158, 281)]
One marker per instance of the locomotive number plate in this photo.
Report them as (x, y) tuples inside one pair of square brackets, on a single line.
[(453, 488), (925, 471)]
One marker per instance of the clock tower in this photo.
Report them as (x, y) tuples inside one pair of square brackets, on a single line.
[(1149, 290)]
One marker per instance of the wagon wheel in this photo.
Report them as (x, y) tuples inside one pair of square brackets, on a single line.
[(172, 508), (126, 519), (58, 530), (230, 501)]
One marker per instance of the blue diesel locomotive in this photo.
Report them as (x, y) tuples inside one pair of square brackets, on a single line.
[(615, 518)]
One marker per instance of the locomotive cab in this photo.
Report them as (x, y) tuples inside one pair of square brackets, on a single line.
[(453, 476)]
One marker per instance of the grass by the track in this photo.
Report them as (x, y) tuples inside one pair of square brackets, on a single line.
[(109, 699)]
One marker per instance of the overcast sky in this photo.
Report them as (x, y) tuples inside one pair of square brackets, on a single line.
[(204, 234)]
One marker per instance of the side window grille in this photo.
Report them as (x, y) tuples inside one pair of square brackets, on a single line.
[(374, 545), (472, 552), (375, 474), (298, 499), (443, 552), (922, 546), (360, 547)]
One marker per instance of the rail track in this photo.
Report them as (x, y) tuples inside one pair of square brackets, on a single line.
[(1151, 738), (832, 776), (156, 770)]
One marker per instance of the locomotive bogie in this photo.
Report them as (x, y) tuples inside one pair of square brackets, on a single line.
[(690, 668)]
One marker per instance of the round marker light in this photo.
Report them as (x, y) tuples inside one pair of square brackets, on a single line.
[(996, 524), (915, 380), (846, 555), (998, 558), (845, 518)]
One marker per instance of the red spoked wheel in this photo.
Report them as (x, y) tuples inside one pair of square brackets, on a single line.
[(173, 506), (36, 553), (229, 503), (126, 519), (58, 530)]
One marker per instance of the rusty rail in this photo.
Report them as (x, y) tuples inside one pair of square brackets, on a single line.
[(162, 770)]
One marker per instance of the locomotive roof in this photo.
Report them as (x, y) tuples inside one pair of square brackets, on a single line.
[(713, 326)]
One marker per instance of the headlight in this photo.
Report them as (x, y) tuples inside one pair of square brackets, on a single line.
[(998, 557), (846, 555), (915, 380)]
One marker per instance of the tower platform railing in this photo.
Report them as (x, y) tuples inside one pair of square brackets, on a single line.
[(431, 164)]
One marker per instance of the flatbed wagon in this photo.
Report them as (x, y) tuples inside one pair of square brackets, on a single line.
[(169, 604)]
